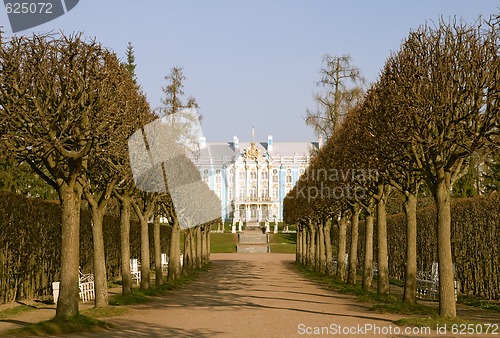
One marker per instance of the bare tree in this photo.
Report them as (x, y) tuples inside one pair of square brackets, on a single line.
[(443, 86), (57, 93), (340, 90)]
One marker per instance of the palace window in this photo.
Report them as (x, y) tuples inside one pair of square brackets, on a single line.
[(217, 176), (253, 175), (288, 179), (275, 178), (253, 192), (275, 192), (264, 192), (264, 175), (242, 193), (242, 175)]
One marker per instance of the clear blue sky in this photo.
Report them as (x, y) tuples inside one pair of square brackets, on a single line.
[(253, 62)]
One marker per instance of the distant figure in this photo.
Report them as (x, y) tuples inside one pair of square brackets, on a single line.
[(240, 226), (267, 225)]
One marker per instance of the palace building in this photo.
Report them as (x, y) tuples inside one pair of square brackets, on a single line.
[(251, 179)]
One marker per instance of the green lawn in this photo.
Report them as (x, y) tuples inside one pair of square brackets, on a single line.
[(223, 243), (283, 243)]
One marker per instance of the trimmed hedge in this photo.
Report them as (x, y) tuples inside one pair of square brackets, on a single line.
[(475, 243), (30, 242)]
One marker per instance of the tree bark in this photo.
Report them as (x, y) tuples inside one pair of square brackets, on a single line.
[(192, 246), (298, 240), (321, 249), (410, 209), (342, 248), (447, 305), (186, 265), (312, 246), (69, 292), (125, 244), (157, 246), (100, 279), (145, 260), (199, 246), (368, 263), (382, 252), (353, 255), (305, 255), (174, 264), (208, 243), (203, 240), (328, 247)]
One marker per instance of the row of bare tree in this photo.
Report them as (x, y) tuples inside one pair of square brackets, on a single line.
[(436, 103), (67, 108)]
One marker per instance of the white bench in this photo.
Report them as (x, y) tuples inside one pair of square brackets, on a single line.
[(87, 288), (135, 270), (85, 284), (164, 262), (428, 283)]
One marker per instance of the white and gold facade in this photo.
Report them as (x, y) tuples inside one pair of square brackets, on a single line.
[(252, 179)]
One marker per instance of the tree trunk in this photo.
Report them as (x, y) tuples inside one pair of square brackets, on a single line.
[(382, 253), (125, 244), (174, 264), (298, 240), (199, 245), (446, 286), (410, 209), (186, 264), (157, 245), (353, 255), (368, 264), (208, 243), (321, 248), (312, 246), (342, 248), (328, 248), (145, 261), (69, 292), (192, 246), (305, 256), (203, 240), (100, 279)]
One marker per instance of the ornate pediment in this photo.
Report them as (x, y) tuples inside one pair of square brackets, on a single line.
[(252, 153)]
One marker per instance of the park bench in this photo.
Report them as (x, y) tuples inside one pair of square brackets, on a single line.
[(135, 270), (87, 287), (428, 283), (85, 284), (164, 262)]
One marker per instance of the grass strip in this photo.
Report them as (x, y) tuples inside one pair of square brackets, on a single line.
[(78, 323), (14, 311)]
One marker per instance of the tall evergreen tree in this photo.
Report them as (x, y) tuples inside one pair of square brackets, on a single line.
[(131, 62)]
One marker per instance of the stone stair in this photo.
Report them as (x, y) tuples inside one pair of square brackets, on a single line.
[(252, 240)]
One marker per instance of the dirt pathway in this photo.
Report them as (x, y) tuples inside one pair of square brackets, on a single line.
[(248, 295)]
